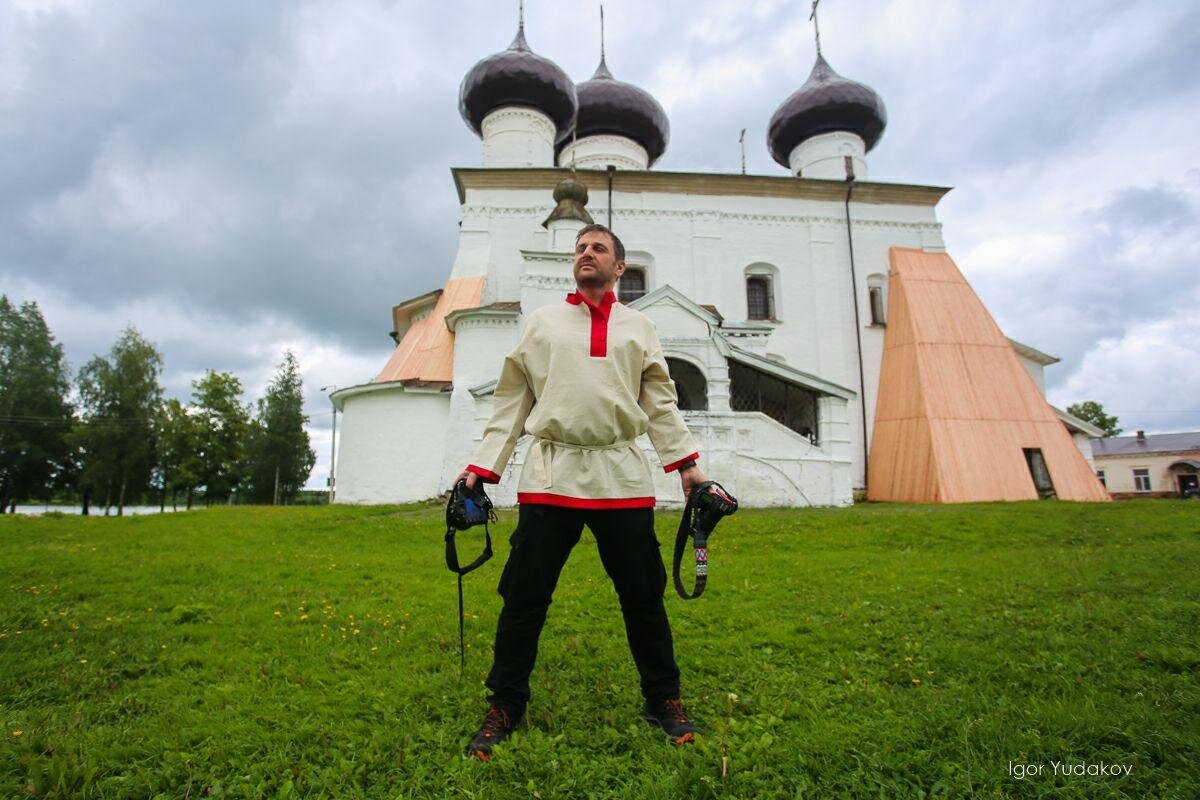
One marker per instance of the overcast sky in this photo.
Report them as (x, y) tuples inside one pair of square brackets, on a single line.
[(237, 178)]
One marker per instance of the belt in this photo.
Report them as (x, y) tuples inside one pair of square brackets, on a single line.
[(543, 450)]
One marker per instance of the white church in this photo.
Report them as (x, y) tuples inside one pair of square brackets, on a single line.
[(769, 292)]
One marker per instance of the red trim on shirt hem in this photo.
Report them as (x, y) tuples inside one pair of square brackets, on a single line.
[(591, 503), (487, 475), (677, 464)]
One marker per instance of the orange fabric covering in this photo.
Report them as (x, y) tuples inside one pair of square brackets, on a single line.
[(955, 408), (426, 353)]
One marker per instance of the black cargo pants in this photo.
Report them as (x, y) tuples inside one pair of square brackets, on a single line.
[(630, 553)]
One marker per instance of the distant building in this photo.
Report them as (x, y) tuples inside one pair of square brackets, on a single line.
[(1154, 465)]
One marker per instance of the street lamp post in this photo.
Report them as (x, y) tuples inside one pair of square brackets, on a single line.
[(333, 445)]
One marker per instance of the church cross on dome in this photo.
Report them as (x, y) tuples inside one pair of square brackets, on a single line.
[(816, 28)]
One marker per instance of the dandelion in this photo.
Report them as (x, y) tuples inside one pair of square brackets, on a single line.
[(733, 698), (373, 649), (164, 647), (916, 681), (83, 661), (303, 617), (17, 733), (279, 613)]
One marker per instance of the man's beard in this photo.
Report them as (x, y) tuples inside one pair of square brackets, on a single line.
[(592, 280)]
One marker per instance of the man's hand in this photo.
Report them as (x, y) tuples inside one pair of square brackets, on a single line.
[(466, 475), (691, 477)]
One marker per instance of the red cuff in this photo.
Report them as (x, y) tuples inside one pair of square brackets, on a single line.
[(487, 475), (677, 464)]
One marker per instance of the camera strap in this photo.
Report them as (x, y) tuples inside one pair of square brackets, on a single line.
[(701, 514), (466, 509)]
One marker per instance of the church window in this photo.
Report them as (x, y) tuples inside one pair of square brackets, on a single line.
[(690, 385), (631, 285), (759, 303), (877, 299), (1100, 475), (788, 404)]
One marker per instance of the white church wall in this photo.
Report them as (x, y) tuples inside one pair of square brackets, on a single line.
[(390, 445), (702, 245), (1037, 372)]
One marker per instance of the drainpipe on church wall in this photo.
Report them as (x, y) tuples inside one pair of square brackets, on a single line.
[(862, 393), (611, 171)]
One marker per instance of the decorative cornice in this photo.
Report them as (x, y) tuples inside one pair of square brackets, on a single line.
[(707, 215), (531, 280), (547, 255), (695, 183)]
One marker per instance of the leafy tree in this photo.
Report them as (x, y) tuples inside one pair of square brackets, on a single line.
[(121, 398), (1093, 412), (179, 463), (281, 457), (224, 429), (35, 415)]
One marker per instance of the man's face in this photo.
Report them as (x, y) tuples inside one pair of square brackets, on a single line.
[(596, 265)]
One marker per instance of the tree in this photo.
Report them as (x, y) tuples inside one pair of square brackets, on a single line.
[(35, 415), (121, 397), (281, 457), (179, 464), (224, 428), (1093, 412)]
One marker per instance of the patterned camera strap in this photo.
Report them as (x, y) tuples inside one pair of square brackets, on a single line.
[(699, 546), (452, 563)]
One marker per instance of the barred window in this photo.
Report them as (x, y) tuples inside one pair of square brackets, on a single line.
[(759, 303), (876, 295), (631, 285), (788, 404)]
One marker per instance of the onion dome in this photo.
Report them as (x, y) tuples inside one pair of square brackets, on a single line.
[(571, 198), (607, 105), (826, 102), (517, 77)]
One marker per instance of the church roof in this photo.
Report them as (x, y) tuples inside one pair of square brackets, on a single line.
[(695, 183), (425, 356), (518, 77), (610, 106), (826, 102)]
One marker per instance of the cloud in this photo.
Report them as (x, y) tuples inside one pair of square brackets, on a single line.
[(237, 178)]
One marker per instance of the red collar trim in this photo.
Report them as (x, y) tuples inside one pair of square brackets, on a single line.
[(606, 302), (598, 347)]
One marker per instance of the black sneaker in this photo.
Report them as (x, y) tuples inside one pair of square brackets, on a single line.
[(670, 716), (497, 725)]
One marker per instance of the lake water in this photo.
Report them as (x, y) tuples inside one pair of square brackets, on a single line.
[(94, 511)]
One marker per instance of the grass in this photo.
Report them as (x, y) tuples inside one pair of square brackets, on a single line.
[(881, 651)]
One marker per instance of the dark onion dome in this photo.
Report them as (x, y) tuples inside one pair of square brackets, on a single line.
[(517, 77), (607, 105), (826, 102)]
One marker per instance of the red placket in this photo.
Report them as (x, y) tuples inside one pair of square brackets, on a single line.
[(600, 313)]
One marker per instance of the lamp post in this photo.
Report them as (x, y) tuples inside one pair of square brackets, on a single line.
[(333, 443)]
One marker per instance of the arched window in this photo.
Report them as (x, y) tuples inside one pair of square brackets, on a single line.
[(761, 285), (631, 285), (877, 297), (689, 385)]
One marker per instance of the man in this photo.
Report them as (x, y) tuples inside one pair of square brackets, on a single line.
[(586, 379)]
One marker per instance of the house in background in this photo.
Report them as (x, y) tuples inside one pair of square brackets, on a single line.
[(1154, 465)]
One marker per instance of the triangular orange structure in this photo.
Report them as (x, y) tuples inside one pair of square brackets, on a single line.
[(426, 353), (956, 411)]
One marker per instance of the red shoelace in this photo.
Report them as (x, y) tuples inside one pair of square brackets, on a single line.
[(675, 709), (495, 722)]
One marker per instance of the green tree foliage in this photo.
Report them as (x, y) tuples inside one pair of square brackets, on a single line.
[(35, 415), (1093, 412), (179, 464), (121, 398), (224, 428), (281, 457)]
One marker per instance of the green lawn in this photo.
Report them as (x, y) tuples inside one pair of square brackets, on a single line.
[(881, 651)]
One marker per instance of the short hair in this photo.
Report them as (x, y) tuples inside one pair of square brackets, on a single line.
[(595, 227)]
